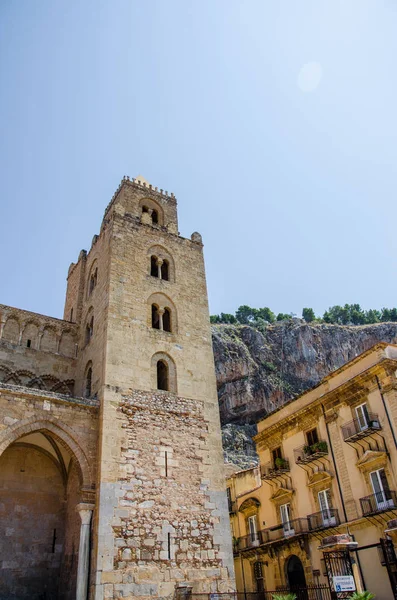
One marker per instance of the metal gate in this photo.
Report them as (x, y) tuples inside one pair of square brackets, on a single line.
[(390, 562), (338, 563)]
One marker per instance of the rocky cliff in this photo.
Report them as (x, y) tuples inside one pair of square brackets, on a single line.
[(258, 371)]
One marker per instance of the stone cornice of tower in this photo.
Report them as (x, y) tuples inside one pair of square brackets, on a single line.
[(148, 188)]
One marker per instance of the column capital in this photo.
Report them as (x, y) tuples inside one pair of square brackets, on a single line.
[(85, 512)]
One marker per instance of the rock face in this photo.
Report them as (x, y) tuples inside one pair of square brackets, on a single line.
[(257, 371)]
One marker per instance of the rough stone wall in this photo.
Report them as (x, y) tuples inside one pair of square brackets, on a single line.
[(131, 345), (258, 371), (167, 526)]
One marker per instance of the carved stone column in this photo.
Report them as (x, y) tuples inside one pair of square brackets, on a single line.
[(85, 512), (161, 312), (159, 265)]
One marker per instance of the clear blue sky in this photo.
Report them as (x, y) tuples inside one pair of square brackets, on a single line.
[(288, 171)]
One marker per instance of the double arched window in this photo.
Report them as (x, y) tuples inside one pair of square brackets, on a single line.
[(161, 264), (161, 318), (159, 268), (153, 214)]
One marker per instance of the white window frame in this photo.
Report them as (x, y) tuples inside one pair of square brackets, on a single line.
[(324, 497), (253, 530), (285, 514), (362, 416), (380, 495)]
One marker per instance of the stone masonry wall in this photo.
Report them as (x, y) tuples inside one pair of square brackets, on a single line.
[(166, 527)]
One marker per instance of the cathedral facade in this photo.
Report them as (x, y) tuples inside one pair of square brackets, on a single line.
[(111, 467)]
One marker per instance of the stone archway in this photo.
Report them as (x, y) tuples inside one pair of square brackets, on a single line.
[(42, 483), (295, 572)]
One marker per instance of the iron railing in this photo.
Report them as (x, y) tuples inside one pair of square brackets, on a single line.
[(306, 454), (310, 592), (271, 470), (379, 502), (356, 429), (273, 534), (324, 519)]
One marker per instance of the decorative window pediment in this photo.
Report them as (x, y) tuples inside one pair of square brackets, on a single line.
[(282, 495), (319, 478), (371, 460)]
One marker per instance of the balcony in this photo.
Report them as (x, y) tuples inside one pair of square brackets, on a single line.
[(356, 429), (378, 503), (273, 534), (324, 519), (272, 471), (307, 454)]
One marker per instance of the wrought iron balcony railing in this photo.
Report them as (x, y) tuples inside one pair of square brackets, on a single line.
[(273, 534), (379, 502), (273, 470), (357, 429), (307, 454), (324, 519)]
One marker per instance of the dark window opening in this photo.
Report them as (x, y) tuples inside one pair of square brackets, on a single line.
[(276, 453), (258, 575), (89, 330), (312, 437), (88, 381), (28, 343), (162, 375), (145, 209), (166, 463), (155, 317), (154, 270), (71, 314), (155, 217), (167, 320), (169, 545), (164, 270)]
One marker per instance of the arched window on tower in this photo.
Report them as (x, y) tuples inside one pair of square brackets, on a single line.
[(162, 376), (155, 317), (167, 320), (154, 269), (155, 217), (165, 270), (89, 330), (88, 383)]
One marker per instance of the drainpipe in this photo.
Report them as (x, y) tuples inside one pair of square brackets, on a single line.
[(341, 495), (386, 411), (336, 468)]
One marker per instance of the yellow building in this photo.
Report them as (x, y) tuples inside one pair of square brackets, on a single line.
[(318, 512)]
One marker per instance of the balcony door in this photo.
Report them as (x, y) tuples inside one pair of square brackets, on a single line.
[(362, 416), (285, 512), (253, 530), (324, 500), (380, 486)]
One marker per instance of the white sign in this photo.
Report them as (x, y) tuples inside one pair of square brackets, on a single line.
[(344, 583)]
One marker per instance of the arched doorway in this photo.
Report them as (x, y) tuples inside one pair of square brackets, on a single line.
[(40, 488), (295, 572)]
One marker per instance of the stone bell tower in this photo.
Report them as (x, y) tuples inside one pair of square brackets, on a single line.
[(161, 516)]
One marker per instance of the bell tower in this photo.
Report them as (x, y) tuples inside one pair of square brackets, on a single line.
[(161, 517)]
